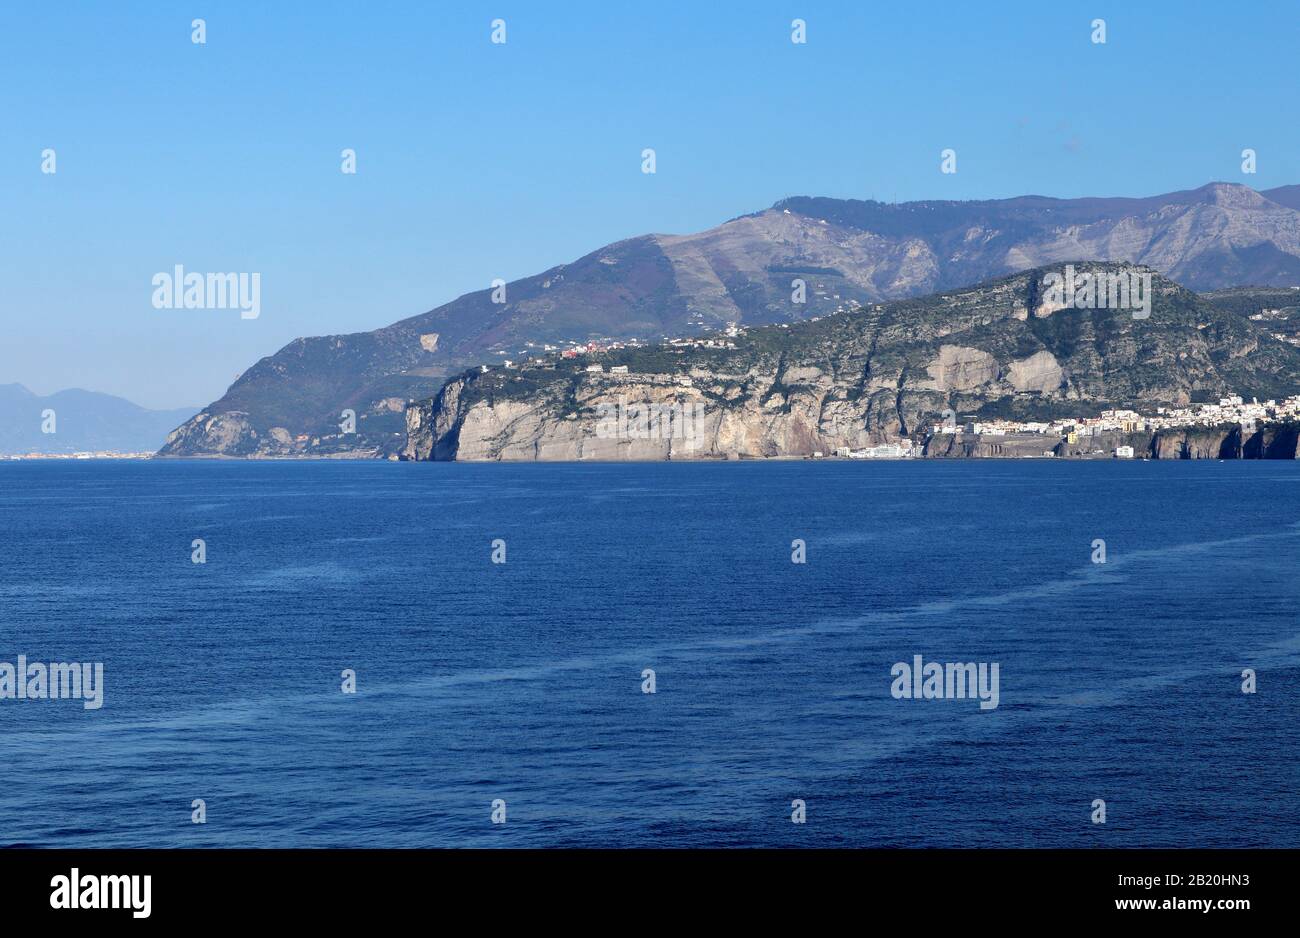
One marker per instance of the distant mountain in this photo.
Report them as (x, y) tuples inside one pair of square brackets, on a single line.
[(1284, 195), (846, 252), (82, 421), (1007, 348)]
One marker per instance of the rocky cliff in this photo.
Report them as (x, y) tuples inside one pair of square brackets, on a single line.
[(878, 374), (747, 271)]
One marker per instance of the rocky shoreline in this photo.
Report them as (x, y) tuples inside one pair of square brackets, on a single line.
[(1266, 442)]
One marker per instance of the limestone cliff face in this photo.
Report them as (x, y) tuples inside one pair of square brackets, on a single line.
[(648, 418), (230, 433), (1267, 442), (1197, 444), (1273, 443), (880, 374)]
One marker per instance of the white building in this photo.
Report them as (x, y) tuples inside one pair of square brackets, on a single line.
[(883, 451)]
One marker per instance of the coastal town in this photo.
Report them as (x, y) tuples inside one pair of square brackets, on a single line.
[(97, 454), (1228, 410)]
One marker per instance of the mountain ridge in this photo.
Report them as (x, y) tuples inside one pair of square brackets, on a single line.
[(745, 271)]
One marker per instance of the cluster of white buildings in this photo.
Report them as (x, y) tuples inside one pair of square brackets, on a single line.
[(541, 350), (1227, 410), (701, 343), (97, 454)]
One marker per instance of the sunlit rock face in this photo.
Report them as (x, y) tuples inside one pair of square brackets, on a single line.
[(879, 374)]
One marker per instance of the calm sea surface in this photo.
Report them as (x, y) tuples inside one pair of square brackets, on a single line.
[(522, 681)]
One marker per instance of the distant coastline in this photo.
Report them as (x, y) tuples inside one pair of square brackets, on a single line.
[(24, 457)]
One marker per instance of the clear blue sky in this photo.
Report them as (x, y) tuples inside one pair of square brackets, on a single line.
[(478, 160)]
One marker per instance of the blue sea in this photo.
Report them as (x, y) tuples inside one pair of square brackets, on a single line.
[(523, 681)]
